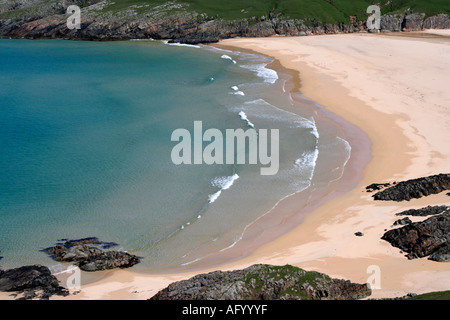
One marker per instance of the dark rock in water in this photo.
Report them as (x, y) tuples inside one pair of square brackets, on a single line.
[(33, 281), (76, 253), (427, 211), (91, 258), (377, 186), (108, 260), (263, 282), (359, 234), (415, 188), (402, 222), (90, 240), (420, 239)]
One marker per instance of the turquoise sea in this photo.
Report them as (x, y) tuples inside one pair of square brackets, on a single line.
[(85, 148)]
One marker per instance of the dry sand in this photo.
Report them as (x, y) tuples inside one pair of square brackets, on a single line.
[(396, 89)]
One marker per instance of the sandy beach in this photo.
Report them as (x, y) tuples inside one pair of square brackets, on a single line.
[(394, 87)]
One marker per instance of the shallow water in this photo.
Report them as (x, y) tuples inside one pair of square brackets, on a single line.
[(85, 135)]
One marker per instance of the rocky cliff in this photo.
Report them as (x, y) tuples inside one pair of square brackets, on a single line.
[(263, 282), (174, 20)]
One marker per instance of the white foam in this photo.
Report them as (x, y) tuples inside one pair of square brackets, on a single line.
[(227, 57), (244, 117), (315, 132), (235, 88), (269, 75), (60, 269), (213, 197), (308, 162), (223, 183), (239, 93), (179, 44), (149, 39), (282, 115), (190, 262), (348, 148)]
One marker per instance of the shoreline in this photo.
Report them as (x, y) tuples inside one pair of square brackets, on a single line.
[(400, 151), (286, 213), (325, 240)]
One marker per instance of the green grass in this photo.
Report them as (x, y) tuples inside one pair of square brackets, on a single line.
[(296, 276), (326, 11), (441, 295), (430, 7)]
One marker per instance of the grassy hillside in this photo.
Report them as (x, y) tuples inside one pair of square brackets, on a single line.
[(441, 295), (331, 11), (326, 11)]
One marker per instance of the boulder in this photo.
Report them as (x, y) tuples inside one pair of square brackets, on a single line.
[(415, 188), (427, 211), (413, 22), (263, 282), (439, 21), (402, 222), (420, 239), (91, 257), (33, 281)]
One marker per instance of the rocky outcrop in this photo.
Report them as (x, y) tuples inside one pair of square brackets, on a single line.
[(263, 282), (415, 188), (32, 282), (402, 222), (427, 211), (92, 257), (173, 20), (427, 238), (377, 186), (440, 21), (413, 22), (391, 22)]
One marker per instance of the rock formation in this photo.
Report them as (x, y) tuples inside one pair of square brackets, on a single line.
[(427, 238), (174, 20), (377, 186), (91, 258), (427, 211), (415, 188), (402, 222), (34, 282), (263, 282)]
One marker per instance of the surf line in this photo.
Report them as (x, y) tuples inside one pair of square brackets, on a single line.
[(190, 149)]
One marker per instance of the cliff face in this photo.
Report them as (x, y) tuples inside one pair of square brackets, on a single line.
[(263, 282), (172, 20)]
